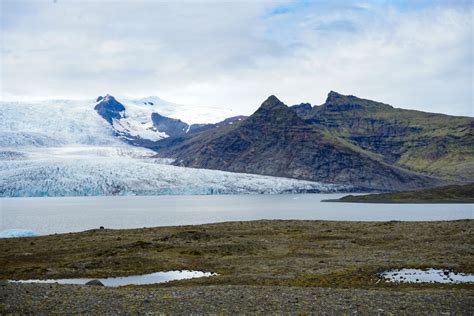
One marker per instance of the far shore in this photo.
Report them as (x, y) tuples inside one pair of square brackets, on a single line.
[(452, 194)]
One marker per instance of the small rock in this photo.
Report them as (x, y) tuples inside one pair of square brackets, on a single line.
[(101, 227), (95, 282)]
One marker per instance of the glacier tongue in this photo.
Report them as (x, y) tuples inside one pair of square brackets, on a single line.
[(80, 171)]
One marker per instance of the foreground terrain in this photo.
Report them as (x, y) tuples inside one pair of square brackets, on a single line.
[(299, 266), (446, 194)]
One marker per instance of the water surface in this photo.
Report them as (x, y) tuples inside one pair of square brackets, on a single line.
[(152, 278), (427, 276), (71, 214)]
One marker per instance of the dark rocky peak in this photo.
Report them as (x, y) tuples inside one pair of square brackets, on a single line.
[(338, 102), (109, 108), (170, 126), (333, 96), (271, 103), (273, 111), (99, 98), (302, 109)]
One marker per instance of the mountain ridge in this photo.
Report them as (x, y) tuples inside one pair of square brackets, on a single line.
[(275, 140), (310, 144)]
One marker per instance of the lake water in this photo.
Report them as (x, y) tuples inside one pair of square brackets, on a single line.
[(71, 214), (152, 278)]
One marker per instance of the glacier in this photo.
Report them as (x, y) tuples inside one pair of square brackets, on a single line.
[(108, 171), (64, 148)]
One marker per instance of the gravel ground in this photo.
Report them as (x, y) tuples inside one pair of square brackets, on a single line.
[(72, 299)]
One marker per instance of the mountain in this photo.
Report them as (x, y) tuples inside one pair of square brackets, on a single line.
[(437, 145), (82, 147), (345, 140), (139, 124)]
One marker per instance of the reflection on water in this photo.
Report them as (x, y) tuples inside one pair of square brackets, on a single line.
[(152, 278)]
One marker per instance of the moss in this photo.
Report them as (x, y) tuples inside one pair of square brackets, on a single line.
[(448, 194), (300, 253)]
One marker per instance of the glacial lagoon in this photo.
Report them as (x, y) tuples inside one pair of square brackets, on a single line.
[(51, 215)]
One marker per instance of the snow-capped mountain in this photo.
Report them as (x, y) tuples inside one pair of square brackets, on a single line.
[(71, 148), (139, 122)]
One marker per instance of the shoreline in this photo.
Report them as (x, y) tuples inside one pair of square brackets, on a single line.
[(400, 202)]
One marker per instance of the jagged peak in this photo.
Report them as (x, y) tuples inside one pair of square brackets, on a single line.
[(333, 96), (108, 104), (339, 102), (273, 111), (272, 102)]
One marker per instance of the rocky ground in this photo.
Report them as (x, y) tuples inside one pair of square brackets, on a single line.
[(70, 299), (264, 266)]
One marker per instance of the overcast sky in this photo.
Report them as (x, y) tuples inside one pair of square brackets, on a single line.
[(411, 54)]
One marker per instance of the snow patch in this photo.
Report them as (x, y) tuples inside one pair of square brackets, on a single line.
[(427, 276)]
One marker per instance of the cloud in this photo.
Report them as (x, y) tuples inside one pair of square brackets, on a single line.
[(234, 54)]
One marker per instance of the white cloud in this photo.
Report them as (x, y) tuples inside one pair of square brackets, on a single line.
[(235, 54)]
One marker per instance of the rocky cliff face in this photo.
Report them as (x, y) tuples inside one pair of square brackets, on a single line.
[(435, 144), (170, 126), (276, 141)]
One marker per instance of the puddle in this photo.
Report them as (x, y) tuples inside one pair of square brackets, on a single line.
[(152, 278), (427, 276)]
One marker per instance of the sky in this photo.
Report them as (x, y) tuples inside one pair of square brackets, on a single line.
[(233, 54)]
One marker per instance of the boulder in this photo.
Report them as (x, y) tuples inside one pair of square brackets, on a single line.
[(95, 282)]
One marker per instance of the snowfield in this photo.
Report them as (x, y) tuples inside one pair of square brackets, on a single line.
[(65, 148), (53, 123), (190, 114), (427, 276)]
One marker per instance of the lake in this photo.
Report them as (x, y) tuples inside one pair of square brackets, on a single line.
[(71, 214)]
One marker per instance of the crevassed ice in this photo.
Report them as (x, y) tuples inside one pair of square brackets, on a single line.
[(13, 233), (125, 175), (53, 123)]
